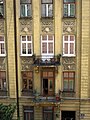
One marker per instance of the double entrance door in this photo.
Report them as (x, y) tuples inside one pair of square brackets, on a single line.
[(48, 83)]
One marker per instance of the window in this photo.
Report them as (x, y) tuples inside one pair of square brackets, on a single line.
[(69, 8), (47, 8), (26, 45), (28, 113), (68, 45), (47, 45), (1, 9), (68, 81), (48, 113), (25, 7), (27, 79), (2, 46), (2, 80)]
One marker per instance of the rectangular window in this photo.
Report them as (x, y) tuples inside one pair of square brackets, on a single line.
[(27, 79), (48, 113), (25, 8), (2, 46), (2, 80), (26, 45), (28, 113), (69, 8), (47, 45), (1, 9), (68, 45), (68, 81), (47, 8)]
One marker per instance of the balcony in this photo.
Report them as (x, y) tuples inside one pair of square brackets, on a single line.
[(47, 60)]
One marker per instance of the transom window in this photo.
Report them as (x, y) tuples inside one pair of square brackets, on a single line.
[(47, 45), (27, 79), (1, 9), (2, 80), (69, 8), (68, 81), (2, 46), (48, 113), (68, 45), (47, 8), (25, 8), (26, 45), (28, 113)]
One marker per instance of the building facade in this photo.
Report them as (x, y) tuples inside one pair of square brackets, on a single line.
[(45, 58)]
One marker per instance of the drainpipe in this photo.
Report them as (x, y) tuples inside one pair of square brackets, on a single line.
[(16, 60)]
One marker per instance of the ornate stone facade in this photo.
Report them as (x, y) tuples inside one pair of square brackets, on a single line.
[(69, 63), (47, 26), (25, 25), (26, 63), (69, 26)]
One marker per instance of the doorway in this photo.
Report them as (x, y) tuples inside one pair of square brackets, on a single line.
[(68, 115)]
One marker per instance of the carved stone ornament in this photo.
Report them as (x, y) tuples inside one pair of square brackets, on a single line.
[(1, 26), (2, 64), (69, 63), (25, 25), (47, 26), (69, 27), (26, 63)]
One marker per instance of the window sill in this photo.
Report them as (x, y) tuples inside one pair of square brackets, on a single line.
[(68, 17), (26, 55), (2, 55), (68, 55), (30, 18), (50, 18)]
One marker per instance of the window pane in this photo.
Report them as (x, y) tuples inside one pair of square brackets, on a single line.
[(50, 10), (28, 38), (50, 37), (50, 74), (2, 48), (71, 85), (1, 38), (23, 38), (65, 38), (46, 1), (71, 74), (22, 12), (44, 37), (45, 74), (72, 10), (71, 48), (65, 85), (25, 1), (43, 10), (65, 75), (65, 10), (65, 48), (69, 0), (29, 48), (71, 38), (29, 10), (50, 47), (23, 48), (44, 47)]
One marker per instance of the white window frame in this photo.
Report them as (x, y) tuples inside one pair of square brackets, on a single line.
[(47, 41), (68, 42), (2, 10), (2, 42), (26, 42)]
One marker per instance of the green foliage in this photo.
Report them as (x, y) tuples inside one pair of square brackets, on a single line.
[(7, 111)]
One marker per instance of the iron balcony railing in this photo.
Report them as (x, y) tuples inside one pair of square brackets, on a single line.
[(46, 61)]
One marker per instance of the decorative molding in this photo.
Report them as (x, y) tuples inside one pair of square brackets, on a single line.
[(25, 25), (1, 26), (69, 63), (26, 63), (2, 64), (47, 26), (69, 26)]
